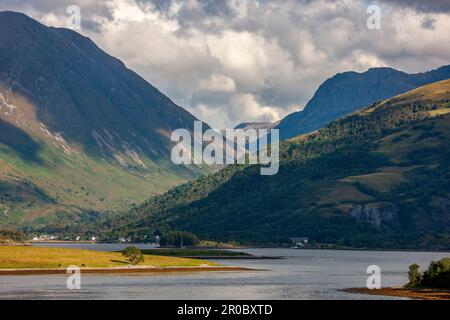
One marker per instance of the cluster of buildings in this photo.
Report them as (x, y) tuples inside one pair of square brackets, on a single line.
[(298, 242), (47, 237)]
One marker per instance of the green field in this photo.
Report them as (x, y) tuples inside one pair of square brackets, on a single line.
[(29, 257)]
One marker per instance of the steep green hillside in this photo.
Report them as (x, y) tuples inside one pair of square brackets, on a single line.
[(377, 178), (62, 188)]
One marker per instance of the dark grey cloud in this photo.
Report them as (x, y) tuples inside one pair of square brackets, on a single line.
[(204, 8), (216, 8), (428, 22), (161, 5), (431, 6)]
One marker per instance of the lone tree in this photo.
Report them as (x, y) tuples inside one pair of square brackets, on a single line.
[(414, 276), (133, 254)]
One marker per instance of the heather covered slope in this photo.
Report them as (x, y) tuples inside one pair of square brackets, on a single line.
[(349, 91), (80, 133), (378, 178)]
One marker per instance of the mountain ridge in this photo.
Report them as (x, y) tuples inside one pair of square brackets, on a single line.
[(349, 91)]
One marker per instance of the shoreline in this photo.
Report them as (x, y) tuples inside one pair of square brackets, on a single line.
[(353, 249), (244, 247), (418, 294), (31, 242), (120, 270), (234, 257)]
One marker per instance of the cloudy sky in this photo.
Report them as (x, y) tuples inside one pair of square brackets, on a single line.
[(229, 61)]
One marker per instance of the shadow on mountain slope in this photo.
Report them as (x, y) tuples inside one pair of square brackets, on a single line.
[(20, 142)]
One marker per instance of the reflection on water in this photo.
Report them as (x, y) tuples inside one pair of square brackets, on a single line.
[(304, 274)]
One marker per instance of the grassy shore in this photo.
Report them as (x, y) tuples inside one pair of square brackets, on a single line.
[(203, 253), (197, 253), (29, 257)]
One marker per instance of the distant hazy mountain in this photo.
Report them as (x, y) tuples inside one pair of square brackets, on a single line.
[(79, 131), (379, 178), (256, 125), (349, 91)]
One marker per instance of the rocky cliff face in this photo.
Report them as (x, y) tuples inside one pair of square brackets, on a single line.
[(377, 214)]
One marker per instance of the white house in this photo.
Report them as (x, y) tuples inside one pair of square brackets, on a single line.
[(299, 241)]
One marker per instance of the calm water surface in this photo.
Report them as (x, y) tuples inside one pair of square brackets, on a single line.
[(303, 274)]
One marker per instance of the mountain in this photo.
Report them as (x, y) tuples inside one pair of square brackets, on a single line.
[(256, 125), (347, 92), (378, 178), (80, 133)]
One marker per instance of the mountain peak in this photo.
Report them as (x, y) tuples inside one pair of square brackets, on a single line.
[(256, 125), (12, 19), (15, 14), (382, 69)]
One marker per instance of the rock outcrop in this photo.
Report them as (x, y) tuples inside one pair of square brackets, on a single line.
[(377, 214)]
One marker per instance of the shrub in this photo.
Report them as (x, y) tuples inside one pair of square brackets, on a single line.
[(133, 254), (12, 235), (437, 275)]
